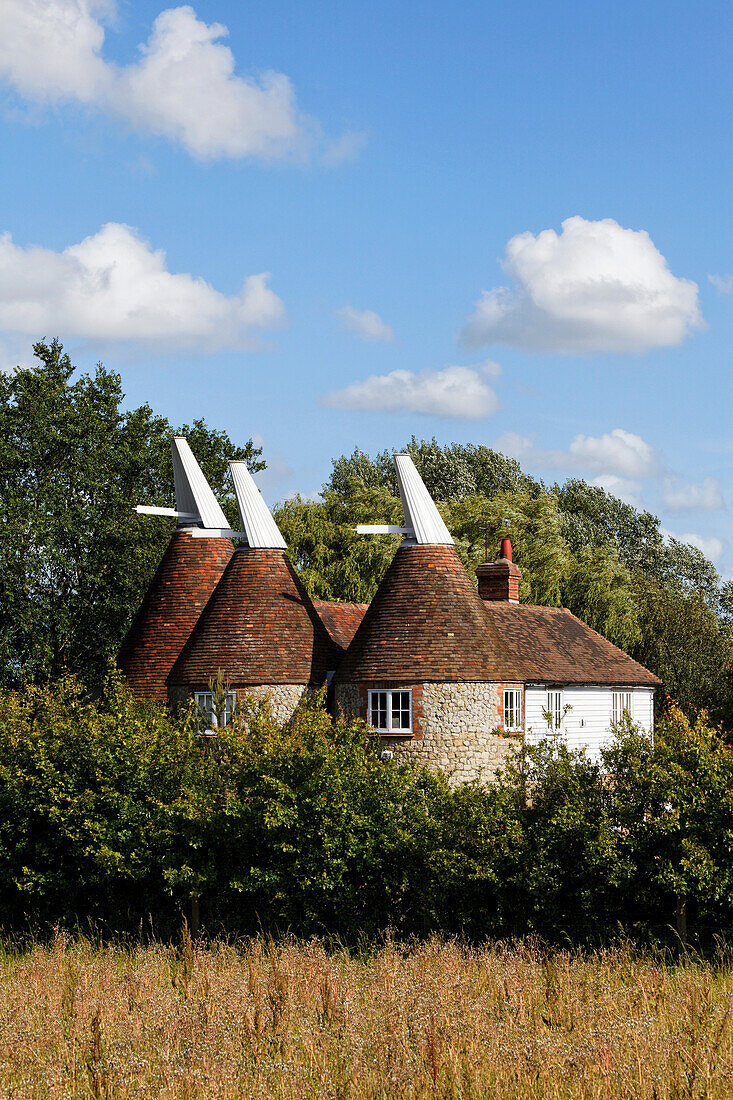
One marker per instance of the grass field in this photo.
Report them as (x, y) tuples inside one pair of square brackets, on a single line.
[(293, 1020)]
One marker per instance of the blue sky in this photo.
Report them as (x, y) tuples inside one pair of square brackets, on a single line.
[(392, 166)]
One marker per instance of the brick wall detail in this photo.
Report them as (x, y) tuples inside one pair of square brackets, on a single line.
[(499, 580)]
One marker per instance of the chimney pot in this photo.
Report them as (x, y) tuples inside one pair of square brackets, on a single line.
[(506, 549)]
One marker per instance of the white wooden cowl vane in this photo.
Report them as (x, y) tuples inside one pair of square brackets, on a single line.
[(196, 506), (424, 524), (260, 530)]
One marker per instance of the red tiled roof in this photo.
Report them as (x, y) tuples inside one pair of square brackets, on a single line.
[(427, 623), (340, 619), (187, 575), (556, 647), (259, 627)]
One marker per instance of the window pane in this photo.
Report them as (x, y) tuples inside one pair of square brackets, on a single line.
[(400, 710), (228, 715), (378, 717), (621, 704), (554, 706), (205, 704)]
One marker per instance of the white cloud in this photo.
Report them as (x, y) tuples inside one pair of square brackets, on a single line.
[(183, 87), (594, 287), (704, 495), (112, 286), (621, 487), (367, 325), (709, 545), (459, 392), (50, 49), (722, 283), (617, 453)]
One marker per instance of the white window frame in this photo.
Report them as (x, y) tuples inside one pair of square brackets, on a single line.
[(622, 701), (554, 701), (205, 704), (377, 706), (513, 720)]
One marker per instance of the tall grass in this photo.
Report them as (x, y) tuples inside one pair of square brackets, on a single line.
[(435, 1019)]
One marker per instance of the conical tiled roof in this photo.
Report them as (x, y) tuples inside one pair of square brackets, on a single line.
[(426, 624), (259, 627), (188, 573)]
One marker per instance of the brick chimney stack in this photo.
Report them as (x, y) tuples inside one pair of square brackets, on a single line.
[(499, 580)]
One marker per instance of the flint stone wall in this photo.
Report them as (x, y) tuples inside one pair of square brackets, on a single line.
[(455, 725), (283, 698)]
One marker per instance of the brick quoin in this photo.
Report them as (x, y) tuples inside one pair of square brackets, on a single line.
[(188, 573)]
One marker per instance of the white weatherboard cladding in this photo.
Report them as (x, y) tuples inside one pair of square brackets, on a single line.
[(257, 523), (421, 515), (193, 492), (587, 724)]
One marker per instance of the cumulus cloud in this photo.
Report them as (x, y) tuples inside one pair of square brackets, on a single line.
[(622, 487), (722, 283), (459, 392), (616, 453), (704, 495), (183, 86), (113, 286), (367, 325), (50, 49), (594, 287)]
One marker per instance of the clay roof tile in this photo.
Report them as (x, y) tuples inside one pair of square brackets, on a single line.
[(556, 647), (259, 627), (427, 623), (188, 573)]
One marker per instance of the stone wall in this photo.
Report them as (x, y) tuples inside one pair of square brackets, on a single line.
[(283, 698), (456, 727)]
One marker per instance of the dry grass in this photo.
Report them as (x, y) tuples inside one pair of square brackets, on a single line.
[(434, 1020)]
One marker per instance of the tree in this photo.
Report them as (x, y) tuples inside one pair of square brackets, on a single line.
[(688, 646), (593, 517), (75, 559), (449, 472)]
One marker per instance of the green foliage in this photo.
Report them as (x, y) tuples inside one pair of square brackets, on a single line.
[(333, 562), (110, 811), (449, 473), (673, 809), (689, 646), (75, 559)]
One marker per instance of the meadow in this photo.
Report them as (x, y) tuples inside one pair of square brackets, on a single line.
[(434, 1018)]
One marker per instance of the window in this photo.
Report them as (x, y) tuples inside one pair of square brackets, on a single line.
[(621, 705), (513, 709), (554, 710), (391, 711), (205, 702)]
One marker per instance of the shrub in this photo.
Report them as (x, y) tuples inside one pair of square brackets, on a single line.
[(114, 812)]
